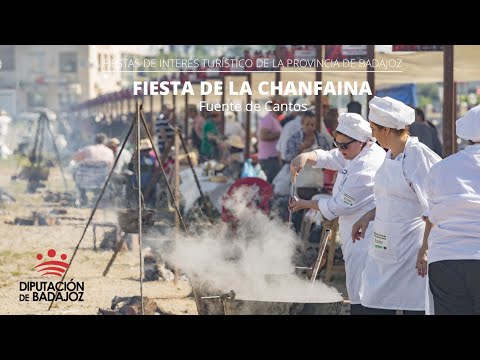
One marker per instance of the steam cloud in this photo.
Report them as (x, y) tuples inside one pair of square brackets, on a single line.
[(256, 259)]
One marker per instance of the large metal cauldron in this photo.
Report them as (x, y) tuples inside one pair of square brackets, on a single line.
[(254, 307), (229, 304), (128, 220)]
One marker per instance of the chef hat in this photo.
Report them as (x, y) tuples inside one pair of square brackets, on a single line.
[(355, 126), (468, 127), (390, 113)]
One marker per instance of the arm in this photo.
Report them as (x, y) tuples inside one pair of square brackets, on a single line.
[(356, 194), (319, 158), (213, 137), (304, 204), (422, 252), (268, 135), (359, 229), (417, 170), (270, 129), (303, 146), (300, 161), (80, 155)]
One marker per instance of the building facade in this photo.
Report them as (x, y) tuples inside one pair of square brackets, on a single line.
[(57, 76)]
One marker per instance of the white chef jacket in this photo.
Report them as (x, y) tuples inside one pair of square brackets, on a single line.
[(453, 188), (356, 178), (352, 197), (389, 279)]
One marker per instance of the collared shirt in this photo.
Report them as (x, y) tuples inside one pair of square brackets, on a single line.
[(267, 148), (293, 144)]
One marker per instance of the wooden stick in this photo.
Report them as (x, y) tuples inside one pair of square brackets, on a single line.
[(321, 251), (94, 227), (139, 186), (117, 250)]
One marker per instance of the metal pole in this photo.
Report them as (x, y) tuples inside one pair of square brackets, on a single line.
[(370, 74), (277, 56), (174, 101), (449, 136), (318, 98), (152, 122), (172, 195), (222, 100), (95, 208), (321, 251), (57, 153), (204, 99), (186, 116), (177, 198), (139, 186), (247, 123)]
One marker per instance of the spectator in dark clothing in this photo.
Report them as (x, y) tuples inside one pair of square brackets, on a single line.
[(426, 132), (164, 131), (354, 107), (148, 164)]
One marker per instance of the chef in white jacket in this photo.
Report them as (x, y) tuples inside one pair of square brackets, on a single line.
[(453, 188), (357, 159), (390, 281)]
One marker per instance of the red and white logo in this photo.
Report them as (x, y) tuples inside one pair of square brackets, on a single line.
[(52, 266)]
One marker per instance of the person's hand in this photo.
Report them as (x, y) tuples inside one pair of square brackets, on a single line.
[(359, 229), (297, 204), (308, 142), (221, 145), (421, 265), (297, 165)]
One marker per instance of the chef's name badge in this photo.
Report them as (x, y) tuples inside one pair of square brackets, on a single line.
[(380, 241), (348, 199)]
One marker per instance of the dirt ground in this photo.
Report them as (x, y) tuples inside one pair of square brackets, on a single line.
[(19, 246)]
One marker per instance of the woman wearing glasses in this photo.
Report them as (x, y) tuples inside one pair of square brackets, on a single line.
[(389, 281), (357, 159)]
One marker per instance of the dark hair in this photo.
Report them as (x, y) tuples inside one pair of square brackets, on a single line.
[(335, 133), (399, 132), (420, 113), (354, 107), (100, 138), (309, 113)]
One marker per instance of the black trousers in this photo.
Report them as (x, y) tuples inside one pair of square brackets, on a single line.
[(271, 167), (455, 286), (372, 311), (357, 309)]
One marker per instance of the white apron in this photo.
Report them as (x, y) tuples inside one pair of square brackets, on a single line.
[(390, 279), (354, 254)]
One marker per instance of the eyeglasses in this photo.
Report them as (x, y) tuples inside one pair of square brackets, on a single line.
[(343, 146)]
